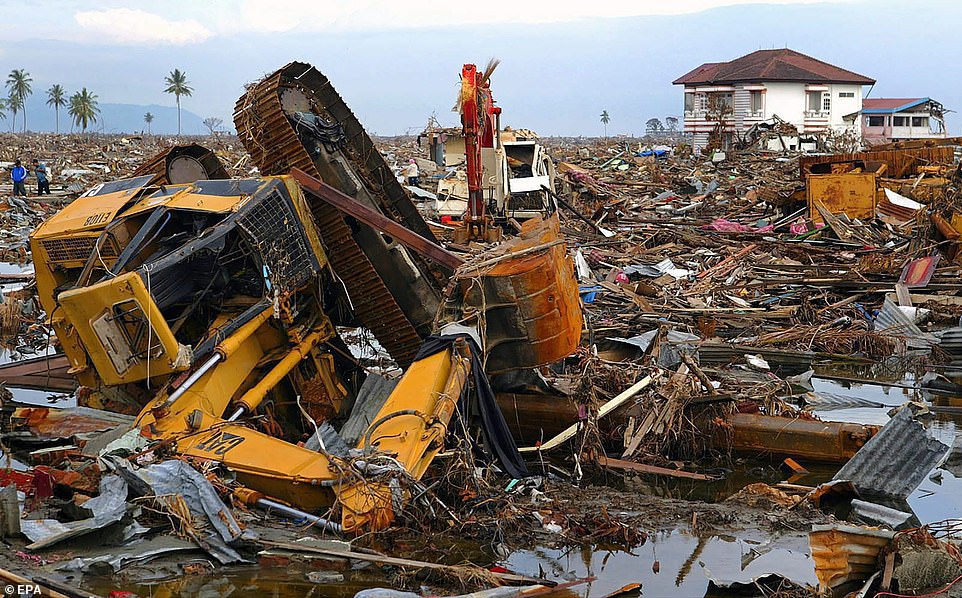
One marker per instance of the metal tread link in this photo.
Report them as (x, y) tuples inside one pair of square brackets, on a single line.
[(275, 148)]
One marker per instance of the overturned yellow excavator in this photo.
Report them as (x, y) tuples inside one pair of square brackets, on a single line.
[(212, 308)]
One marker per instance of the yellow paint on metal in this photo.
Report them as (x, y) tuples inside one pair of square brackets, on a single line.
[(411, 426), (852, 194), (85, 213), (123, 331)]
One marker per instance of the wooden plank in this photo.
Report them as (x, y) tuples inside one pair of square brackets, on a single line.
[(903, 295), (605, 409), (399, 562), (653, 469)]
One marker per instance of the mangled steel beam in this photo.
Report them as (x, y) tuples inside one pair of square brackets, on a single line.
[(410, 239)]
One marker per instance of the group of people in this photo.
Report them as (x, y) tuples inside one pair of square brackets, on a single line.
[(19, 175)]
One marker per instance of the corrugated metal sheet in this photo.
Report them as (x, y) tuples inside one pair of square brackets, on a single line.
[(894, 321), (950, 340), (844, 553), (827, 401), (716, 352), (370, 398), (875, 514), (896, 460)]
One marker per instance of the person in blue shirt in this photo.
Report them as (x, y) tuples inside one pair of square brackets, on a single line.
[(19, 174), (43, 181)]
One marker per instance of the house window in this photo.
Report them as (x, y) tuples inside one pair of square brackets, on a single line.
[(689, 102), (721, 101), (900, 121), (920, 121), (755, 102), (846, 94), (826, 102), (876, 121), (813, 100)]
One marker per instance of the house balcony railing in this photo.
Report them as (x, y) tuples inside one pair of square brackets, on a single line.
[(816, 114)]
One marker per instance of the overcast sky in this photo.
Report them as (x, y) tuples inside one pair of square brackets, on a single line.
[(396, 62)]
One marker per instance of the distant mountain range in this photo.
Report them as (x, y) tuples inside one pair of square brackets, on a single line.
[(114, 118)]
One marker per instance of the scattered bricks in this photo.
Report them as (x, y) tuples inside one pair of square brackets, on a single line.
[(791, 466)]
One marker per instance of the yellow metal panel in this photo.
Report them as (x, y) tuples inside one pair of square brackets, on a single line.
[(187, 200), (99, 313), (307, 219), (852, 194), (411, 426), (85, 213)]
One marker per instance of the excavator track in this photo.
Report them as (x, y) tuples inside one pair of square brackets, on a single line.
[(275, 147)]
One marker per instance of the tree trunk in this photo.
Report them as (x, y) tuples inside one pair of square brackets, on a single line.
[(178, 115), (56, 110)]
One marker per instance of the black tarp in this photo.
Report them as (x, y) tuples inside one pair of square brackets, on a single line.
[(496, 432)]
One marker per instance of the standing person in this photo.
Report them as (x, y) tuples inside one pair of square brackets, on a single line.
[(18, 174), (412, 173), (43, 181)]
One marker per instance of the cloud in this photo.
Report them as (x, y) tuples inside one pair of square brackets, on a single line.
[(129, 26), (361, 15)]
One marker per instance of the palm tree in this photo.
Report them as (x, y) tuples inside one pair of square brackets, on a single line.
[(57, 98), (18, 84), (178, 85), (83, 108), (14, 105), (605, 119), (148, 118)]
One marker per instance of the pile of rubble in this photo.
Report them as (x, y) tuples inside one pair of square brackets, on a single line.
[(716, 291)]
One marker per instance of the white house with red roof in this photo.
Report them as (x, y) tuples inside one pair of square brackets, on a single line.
[(730, 98), (885, 120)]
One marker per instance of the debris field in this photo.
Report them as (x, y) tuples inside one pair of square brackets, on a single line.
[(270, 363)]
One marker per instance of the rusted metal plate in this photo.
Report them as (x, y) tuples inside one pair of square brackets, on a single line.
[(844, 553), (39, 373), (829, 442), (527, 296), (852, 194), (47, 423), (899, 163)]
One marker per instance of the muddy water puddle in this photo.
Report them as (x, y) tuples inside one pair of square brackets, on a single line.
[(686, 565)]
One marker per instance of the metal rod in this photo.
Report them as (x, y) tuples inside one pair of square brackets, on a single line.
[(325, 524), (233, 418), (214, 359), (575, 211), (375, 220)]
